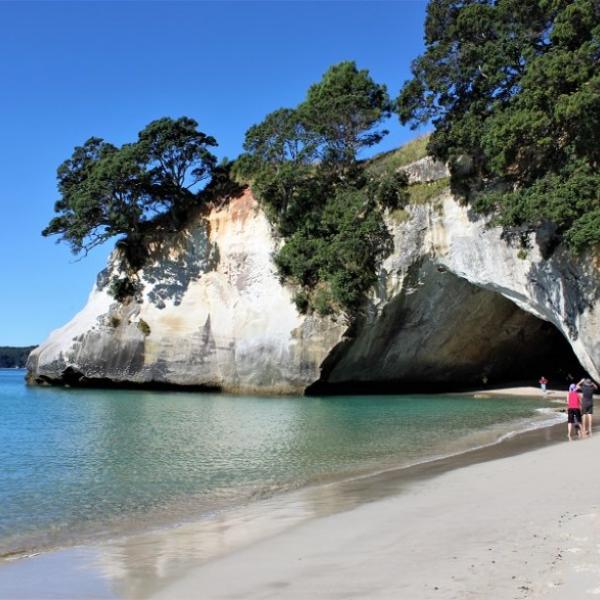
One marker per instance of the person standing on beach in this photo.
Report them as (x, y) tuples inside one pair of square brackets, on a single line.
[(587, 387), (543, 383), (573, 412)]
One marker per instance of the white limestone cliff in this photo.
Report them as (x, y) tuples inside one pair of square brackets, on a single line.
[(216, 313), (455, 303)]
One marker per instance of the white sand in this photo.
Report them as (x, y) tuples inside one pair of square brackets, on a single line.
[(521, 527), (525, 391)]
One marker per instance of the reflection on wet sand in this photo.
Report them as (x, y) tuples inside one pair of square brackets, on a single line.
[(141, 565)]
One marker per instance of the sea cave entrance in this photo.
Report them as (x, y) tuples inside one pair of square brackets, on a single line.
[(441, 334)]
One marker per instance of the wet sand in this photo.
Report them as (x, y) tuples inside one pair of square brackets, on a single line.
[(309, 543), (527, 526)]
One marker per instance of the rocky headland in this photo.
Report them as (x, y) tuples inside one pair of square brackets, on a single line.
[(456, 306)]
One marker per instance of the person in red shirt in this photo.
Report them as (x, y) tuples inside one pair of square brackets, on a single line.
[(573, 411), (543, 383)]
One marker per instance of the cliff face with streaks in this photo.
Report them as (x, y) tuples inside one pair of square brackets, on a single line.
[(456, 306), (212, 314)]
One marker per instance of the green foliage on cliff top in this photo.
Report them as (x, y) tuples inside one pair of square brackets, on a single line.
[(107, 191), (512, 88), (303, 167), (335, 252)]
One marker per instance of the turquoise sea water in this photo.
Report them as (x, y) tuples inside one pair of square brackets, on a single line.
[(77, 464)]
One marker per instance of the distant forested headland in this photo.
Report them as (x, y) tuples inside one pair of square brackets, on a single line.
[(12, 357)]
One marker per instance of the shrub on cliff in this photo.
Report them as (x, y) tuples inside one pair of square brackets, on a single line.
[(121, 288), (303, 167), (513, 89), (106, 191), (336, 252)]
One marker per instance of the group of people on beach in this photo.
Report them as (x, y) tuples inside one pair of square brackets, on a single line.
[(580, 407)]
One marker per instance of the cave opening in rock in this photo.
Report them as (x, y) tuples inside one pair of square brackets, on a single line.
[(443, 333)]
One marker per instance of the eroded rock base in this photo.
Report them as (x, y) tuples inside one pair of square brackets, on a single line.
[(444, 334)]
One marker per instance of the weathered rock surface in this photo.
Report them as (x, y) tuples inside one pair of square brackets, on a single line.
[(217, 316), (456, 305), (460, 306), (425, 170)]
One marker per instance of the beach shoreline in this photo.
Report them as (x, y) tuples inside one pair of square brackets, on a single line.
[(394, 433), (521, 527), (524, 391), (276, 518)]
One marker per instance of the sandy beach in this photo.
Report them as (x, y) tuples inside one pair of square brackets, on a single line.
[(517, 520), (524, 391), (527, 526)]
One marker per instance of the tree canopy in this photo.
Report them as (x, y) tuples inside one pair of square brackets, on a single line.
[(106, 191), (303, 166), (14, 357), (512, 88), (344, 110)]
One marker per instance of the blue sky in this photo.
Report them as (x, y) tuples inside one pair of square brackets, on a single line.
[(76, 69)]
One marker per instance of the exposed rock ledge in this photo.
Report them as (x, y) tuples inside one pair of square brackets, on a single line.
[(456, 306)]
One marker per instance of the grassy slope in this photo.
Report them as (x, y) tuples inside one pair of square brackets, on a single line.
[(392, 160), (420, 193)]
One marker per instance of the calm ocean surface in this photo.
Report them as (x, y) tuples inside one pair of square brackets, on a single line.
[(82, 464)]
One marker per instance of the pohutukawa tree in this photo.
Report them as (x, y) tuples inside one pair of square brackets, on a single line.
[(108, 191), (512, 88), (340, 116), (303, 166), (344, 110), (177, 155)]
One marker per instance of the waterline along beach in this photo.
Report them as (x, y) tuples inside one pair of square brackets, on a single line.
[(301, 300), (362, 519), (97, 463)]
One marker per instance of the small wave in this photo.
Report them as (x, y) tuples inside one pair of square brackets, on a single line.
[(552, 418)]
